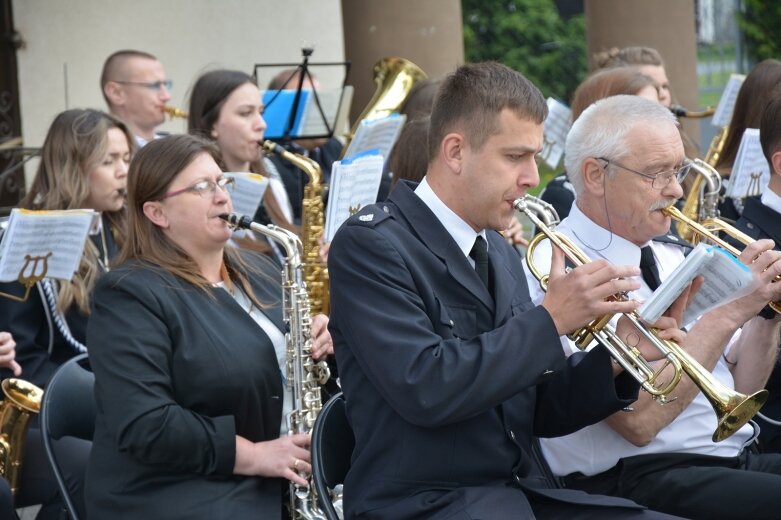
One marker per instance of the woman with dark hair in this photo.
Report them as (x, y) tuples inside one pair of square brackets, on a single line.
[(198, 433), (225, 107), (84, 164)]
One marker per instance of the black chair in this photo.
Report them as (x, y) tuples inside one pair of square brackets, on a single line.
[(332, 448), (68, 409)]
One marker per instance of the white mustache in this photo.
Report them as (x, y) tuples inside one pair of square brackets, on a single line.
[(661, 204)]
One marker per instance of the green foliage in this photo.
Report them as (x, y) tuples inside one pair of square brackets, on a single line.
[(760, 21), (530, 37)]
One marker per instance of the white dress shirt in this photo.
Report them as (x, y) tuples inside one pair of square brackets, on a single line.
[(461, 232)]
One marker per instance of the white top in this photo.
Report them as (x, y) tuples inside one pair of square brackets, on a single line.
[(277, 339), (597, 448), (771, 200), (461, 232)]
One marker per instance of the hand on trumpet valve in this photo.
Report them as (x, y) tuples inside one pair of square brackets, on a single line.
[(765, 263), (587, 292)]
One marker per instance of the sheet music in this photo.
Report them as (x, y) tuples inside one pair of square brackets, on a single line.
[(36, 234), (248, 192), (557, 126), (725, 280), (312, 121), (354, 184), (723, 113), (750, 172), (379, 134)]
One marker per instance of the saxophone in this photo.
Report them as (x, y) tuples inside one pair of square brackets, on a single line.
[(312, 227), (304, 376), (22, 400), (691, 205)]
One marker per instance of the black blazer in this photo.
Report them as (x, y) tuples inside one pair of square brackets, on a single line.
[(444, 385), (178, 374), (758, 221)]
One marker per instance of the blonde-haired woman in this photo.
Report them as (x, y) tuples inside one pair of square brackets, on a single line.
[(84, 164)]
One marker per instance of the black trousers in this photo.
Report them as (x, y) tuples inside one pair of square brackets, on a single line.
[(694, 486)]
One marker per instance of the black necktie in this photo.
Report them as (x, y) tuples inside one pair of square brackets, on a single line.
[(479, 254), (648, 268)]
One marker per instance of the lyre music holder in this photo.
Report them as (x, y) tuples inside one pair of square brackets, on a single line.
[(30, 274), (294, 113)]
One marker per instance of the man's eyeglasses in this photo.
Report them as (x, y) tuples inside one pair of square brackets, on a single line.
[(661, 179), (204, 188), (154, 86)]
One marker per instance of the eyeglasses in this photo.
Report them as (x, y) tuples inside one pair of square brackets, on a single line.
[(203, 188), (661, 179), (154, 86)]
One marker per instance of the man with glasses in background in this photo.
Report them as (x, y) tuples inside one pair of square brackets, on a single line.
[(626, 161), (136, 90)]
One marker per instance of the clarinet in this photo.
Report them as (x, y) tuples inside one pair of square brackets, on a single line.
[(303, 375)]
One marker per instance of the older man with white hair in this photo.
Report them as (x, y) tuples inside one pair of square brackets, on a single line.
[(626, 161)]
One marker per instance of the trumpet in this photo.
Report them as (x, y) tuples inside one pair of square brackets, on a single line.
[(680, 111), (174, 112), (732, 408)]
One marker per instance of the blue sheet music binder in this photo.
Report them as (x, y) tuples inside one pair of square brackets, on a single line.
[(277, 112)]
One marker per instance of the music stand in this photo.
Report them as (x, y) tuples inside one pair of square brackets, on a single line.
[(302, 71)]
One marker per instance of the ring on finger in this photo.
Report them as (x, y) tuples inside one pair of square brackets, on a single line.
[(296, 463)]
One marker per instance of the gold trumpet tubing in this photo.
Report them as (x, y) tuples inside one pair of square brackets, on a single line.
[(628, 357), (709, 230), (680, 111), (174, 112), (733, 409)]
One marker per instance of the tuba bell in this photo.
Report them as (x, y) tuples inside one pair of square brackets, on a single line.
[(22, 401), (395, 78), (732, 408)]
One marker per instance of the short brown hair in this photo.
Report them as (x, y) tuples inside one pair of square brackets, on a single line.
[(114, 64), (473, 97)]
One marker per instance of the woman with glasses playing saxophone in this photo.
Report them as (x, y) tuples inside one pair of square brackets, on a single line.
[(200, 431)]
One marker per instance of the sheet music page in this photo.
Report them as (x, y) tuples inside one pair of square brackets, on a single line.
[(312, 123), (247, 195), (379, 134), (35, 234), (751, 172), (248, 192), (354, 184), (723, 113), (725, 279), (557, 126)]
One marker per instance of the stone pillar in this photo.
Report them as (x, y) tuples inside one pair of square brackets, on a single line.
[(427, 32), (666, 25)]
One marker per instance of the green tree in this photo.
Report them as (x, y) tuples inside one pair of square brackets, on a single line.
[(530, 37), (760, 21)]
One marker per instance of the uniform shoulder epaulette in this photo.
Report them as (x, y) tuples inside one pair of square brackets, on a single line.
[(370, 216)]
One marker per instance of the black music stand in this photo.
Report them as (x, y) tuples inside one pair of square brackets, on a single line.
[(302, 71)]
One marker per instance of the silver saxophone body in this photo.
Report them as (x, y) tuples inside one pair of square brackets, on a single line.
[(303, 375)]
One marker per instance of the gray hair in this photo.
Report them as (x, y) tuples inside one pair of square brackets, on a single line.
[(601, 131)]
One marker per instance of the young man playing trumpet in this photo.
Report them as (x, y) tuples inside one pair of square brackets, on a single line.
[(626, 161)]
